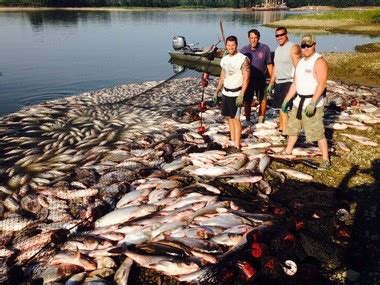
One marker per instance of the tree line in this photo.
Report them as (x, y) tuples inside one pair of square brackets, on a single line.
[(189, 3)]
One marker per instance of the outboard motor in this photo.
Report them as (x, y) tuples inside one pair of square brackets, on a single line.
[(179, 42)]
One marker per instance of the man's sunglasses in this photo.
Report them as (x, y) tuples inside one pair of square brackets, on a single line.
[(306, 46), (280, 35)]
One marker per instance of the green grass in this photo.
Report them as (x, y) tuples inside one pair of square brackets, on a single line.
[(364, 16)]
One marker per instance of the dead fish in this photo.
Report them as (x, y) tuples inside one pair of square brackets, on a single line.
[(296, 174), (122, 273), (308, 162), (264, 187), (245, 179), (52, 274), (16, 223), (213, 171), (361, 139), (169, 265), (276, 175), (125, 214), (209, 188), (264, 163), (5, 253), (343, 146), (75, 258), (336, 126)]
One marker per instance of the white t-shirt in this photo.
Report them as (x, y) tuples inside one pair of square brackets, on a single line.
[(231, 65), (306, 84)]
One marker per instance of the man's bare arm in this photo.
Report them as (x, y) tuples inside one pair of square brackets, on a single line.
[(246, 69), (220, 82), (270, 69), (295, 54), (273, 77), (292, 90), (320, 73)]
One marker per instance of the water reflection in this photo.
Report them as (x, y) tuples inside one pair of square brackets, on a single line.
[(264, 17), (51, 54), (39, 19)]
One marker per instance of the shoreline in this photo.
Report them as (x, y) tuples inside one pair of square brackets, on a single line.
[(113, 9)]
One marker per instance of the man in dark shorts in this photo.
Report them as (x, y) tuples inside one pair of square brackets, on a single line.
[(286, 57), (261, 63), (234, 81)]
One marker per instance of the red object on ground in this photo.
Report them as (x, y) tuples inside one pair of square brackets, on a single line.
[(201, 130), (344, 233), (289, 239), (299, 224), (279, 211), (257, 249), (202, 106), (298, 204), (270, 264), (247, 269)]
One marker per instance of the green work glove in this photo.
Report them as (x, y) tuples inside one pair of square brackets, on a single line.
[(239, 100), (310, 109), (269, 88), (215, 97), (285, 107)]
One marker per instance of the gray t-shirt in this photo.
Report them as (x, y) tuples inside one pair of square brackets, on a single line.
[(283, 63)]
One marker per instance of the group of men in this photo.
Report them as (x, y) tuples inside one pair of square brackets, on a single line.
[(298, 75)]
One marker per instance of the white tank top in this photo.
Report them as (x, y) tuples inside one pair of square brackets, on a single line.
[(283, 63), (306, 83), (231, 66)]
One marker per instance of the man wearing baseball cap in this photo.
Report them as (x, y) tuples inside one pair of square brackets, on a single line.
[(308, 88)]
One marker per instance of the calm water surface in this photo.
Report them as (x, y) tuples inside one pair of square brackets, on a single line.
[(51, 54)]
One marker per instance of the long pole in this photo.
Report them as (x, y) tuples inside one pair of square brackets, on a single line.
[(222, 31)]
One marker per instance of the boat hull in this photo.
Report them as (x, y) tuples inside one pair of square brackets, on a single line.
[(196, 59)]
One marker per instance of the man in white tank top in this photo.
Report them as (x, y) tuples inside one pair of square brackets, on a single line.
[(233, 82), (309, 86), (286, 57)]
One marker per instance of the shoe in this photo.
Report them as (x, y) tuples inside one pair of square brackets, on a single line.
[(325, 165)]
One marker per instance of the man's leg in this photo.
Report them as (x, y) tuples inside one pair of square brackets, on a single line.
[(322, 144), (263, 101), (293, 128), (247, 109), (283, 121), (291, 142), (230, 127), (237, 131)]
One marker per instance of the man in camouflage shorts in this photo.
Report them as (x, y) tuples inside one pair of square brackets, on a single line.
[(308, 88)]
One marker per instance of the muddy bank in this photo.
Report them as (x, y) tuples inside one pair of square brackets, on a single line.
[(355, 67)]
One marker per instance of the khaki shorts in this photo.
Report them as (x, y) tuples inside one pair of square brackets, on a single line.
[(313, 126)]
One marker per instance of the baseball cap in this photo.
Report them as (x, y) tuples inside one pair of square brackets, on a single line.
[(308, 39)]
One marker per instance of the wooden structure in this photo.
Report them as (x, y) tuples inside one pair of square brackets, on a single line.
[(271, 5)]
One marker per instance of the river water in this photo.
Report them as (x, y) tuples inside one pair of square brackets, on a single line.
[(51, 54)]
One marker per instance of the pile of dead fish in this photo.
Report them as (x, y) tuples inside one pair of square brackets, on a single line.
[(95, 183)]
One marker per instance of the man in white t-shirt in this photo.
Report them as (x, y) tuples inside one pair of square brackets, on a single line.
[(232, 83), (308, 87)]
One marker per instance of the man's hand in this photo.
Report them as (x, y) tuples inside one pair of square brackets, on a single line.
[(310, 109), (215, 97), (269, 88), (239, 100), (285, 107)]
